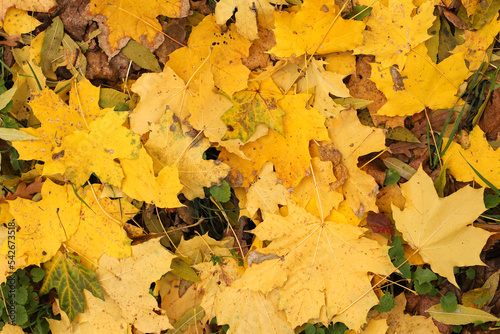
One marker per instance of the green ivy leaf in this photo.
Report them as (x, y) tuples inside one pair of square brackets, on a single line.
[(449, 302), (65, 273), (221, 193), (471, 273), (387, 303), (397, 255), (491, 200), (37, 274), (422, 279)]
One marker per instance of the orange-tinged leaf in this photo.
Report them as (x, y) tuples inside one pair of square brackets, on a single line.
[(480, 155), (101, 228), (46, 224), (170, 146), (322, 264), (289, 154), (440, 229), (65, 273), (94, 151), (219, 50), (304, 31), (353, 140), (158, 91), (252, 106), (127, 282), (121, 20), (395, 30), (424, 84)]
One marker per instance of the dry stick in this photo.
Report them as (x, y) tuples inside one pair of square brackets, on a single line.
[(99, 204), (182, 102), (320, 204), (375, 157), (75, 87), (86, 258), (317, 48), (125, 86), (147, 23), (228, 222), (434, 138)]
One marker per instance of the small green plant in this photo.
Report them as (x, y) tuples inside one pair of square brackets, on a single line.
[(19, 294), (338, 328), (217, 259)]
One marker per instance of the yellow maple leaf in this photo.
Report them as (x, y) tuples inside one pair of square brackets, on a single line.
[(94, 151), (353, 140), (440, 229), (289, 154), (250, 312), (201, 248), (121, 20), (101, 228), (318, 184), (214, 279), (252, 106), (422, 83), (220, 50), (141, 184), (170, 146), (480, 155), (249, 15), (158, 91), (315, 28), (59, 119), (27, 5), (477, 42), (46, 224), (266, 193), (395, 30), (19, 22), (400, 322), (100, 316), (314, 271), (127, 282), (206, 109)]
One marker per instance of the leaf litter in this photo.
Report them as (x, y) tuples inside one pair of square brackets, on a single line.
[(304, 161)]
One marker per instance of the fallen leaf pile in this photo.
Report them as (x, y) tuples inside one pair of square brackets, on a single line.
[(293, 110)]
